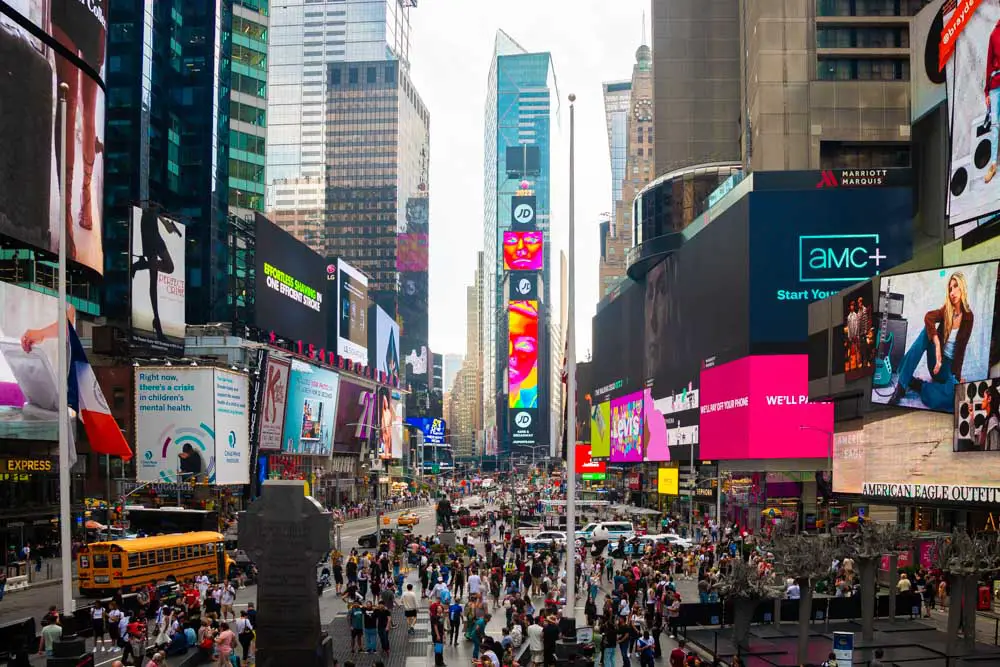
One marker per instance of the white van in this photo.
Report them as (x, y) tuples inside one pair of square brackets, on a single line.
[(612, 530)]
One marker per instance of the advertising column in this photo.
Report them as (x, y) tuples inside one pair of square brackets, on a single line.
[(523, 255)]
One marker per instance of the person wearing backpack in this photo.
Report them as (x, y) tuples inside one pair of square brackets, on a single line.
[(454, 621)]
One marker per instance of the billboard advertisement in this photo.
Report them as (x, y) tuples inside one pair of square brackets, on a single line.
[(29, 362), (523, 285), (412, 252), (618, 338), (386, 415), (412, 312), (191, 425), (355, 422), (522, 350), (927, 79), (386, 344), (859, 333), (523, 427), (274, 405), (29, 134), (312, 407), (352, 312), (654, 429), (943, 319), (522, 213), (586, 465), (434, 429), (668, 481), (973, 86), (600, 430), (626, 429), (758, 408), (291, 281), (523, 251), (158, 282), (977, 416)]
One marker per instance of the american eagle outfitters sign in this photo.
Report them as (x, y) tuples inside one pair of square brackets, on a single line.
[(967, 494)]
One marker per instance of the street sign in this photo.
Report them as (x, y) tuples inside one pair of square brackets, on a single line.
[(594, 476), (436, 469)]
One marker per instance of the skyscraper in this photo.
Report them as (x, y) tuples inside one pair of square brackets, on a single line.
[(522, 104), (186, 130)]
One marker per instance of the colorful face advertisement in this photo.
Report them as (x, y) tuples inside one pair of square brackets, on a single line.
[(522, 367), (626, 429), (945, 318), (654, 430), (859, 333), (522, 251), (273, 406), (28, 362), (158, 283), (973, 84), (312, 407), (758, 408), (600, 430), (355, 417), (191, 425)]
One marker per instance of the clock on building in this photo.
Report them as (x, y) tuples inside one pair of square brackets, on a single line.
[(643, 109)]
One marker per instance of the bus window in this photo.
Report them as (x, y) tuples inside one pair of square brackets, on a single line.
[(160, 557), (100, 560), (174, 555), (133, 561), (144, 559), (189, 552), (210, 548), (197, 550), (116, 561), (84, 561)]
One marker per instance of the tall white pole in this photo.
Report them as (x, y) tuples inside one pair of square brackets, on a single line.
[(694, 487), (65, 456), (571, 389)]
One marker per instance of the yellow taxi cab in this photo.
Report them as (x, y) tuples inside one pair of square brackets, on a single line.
[(407, 519)]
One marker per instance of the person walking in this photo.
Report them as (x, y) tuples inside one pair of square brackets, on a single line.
[(410, 604), (225, 644), (454, 621), (244, 633), (382, 619)]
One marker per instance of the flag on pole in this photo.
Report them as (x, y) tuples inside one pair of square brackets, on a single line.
[(87, 399)]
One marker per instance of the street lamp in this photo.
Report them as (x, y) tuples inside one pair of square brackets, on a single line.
[(829, 464)]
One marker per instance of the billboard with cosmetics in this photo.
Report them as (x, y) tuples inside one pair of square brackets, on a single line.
[(758, 407), (312, 408), (522, 351), (859, 333), (627, 428), (523, 251), (934, 332), (600, 430), (355, 422)]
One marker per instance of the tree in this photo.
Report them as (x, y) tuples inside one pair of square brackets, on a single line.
[(747, 588), (804, 558), (867, 546), (964, 559)]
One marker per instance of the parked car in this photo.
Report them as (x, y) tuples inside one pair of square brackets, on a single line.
[(371, 540), (543, 540)]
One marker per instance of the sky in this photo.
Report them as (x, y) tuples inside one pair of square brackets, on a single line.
[(591, 41)]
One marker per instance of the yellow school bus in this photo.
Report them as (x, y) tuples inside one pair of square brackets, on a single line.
[(106, 567)]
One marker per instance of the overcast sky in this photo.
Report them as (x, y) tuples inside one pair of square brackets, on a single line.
[(591, 41)]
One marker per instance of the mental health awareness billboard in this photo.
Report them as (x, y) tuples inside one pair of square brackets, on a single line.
[(191, 425)]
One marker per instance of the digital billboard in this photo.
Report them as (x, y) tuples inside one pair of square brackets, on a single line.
[(386, 415), (290, 286), (412, 312), (29, 133), (600, 430), (158, 282), (191, 425), (412, 252), (355, 421), (524, 427), (945, 318), (352, 313), (927, 78), (386, 344), (626, 429), (859, 333), (585, 464), (977, 416), (312, 407), (434, 429), (668, 481), (758, 408), (274, 404), (29, 360), (523, 251), (523, 285), (618, 339), (654, 430), (522, 212), (522, 351)]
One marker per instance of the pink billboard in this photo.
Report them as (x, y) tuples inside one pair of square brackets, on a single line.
[(654, 430), (758, 408), (626, 429)]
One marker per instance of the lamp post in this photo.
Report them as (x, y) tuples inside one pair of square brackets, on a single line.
[(65, 455), (571, 385), (829, 465)]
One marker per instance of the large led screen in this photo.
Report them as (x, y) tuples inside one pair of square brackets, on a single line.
[(386, 343), (654, 429), (944, 318), (29, 131), (290, 285), (973, 86), (522, 251), (412, 312), (626, 428), (600, 430), (355, 422), (859, 333), (758, 408), (977, 416), (587, 465), (352, 313), (158, 281), (312, 407), (522, 350), (274, 403)]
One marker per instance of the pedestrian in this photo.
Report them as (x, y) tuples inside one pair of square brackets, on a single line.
[(382, 619), (644, 646), (410, 604), (371, 627), (227, 597), (244, 633), (51, 633), (454, 621), (3, 583), (225, 643), (356, 619), (114, 619), (98, 626), (438, 637)]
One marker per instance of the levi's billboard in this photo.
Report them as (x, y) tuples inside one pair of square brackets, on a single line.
[(757, 407)]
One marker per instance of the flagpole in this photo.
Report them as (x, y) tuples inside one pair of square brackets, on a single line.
[(65, 456), (571, 389)]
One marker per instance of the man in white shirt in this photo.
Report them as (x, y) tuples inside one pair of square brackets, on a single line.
[(475, 583), (535, 643), (410, 604), (792, 591)]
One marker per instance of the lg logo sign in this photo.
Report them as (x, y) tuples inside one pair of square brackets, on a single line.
[(522, 420)]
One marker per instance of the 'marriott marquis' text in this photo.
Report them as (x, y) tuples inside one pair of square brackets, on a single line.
[(294, 289)]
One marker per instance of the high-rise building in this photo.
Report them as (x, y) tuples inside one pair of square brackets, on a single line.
[(186, 129), (630, 135), (828, 88), (452, 362), (522, 103), (617, 95)]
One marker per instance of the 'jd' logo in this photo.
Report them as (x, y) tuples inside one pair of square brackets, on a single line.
[(842, 258)]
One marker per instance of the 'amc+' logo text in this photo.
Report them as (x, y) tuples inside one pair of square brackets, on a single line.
[(834, 258)]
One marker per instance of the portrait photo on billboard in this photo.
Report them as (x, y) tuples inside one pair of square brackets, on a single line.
[(977, 416), (522, 350), (385, 413), (355, 424), (946, 318), (386, 343), (290, 286), (352, 319), (32, 154), (29, 359), (523, 251), (859, 332), (973, 86), (312, 407), (80, 27), (158, 283)]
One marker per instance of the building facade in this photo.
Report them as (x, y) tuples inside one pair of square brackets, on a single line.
[(617, 95)]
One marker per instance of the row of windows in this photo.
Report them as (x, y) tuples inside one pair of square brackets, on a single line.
[(246, 171), (247, 142), (247, 114), (371, 75), (148, 558), (249, 57), (844, 69), (248, 85), (249, 28), (868, 7), (648, 135), (864, 38)]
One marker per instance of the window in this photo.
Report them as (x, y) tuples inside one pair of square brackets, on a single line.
[(335, 76), (84, 561), (352, 75), (160, 557), (144, 558), (133, 561), (100, 560), (116, 561), (370, 75), (174, 554), (390, 74)]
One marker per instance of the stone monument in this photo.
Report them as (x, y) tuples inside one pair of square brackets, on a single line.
[(285, 533)]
